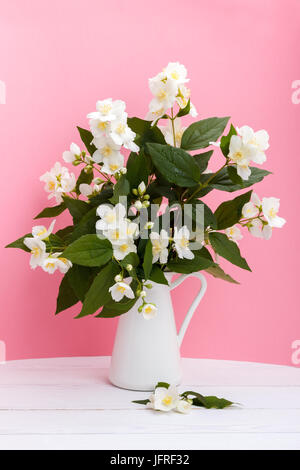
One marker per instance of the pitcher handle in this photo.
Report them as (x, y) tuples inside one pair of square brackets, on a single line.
[(194, 304)]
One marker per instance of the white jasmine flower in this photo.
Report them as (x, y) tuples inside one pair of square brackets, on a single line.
[(241, 154), (142, 188), (149, 311), (49, 265), (143, 294), (164, 399), (40, 231), (164, 94), (256, 201), (89, 189), (160, 244), (111, 217), (182, 99), (63, 264), (121, 134), (270, 208), (70, 155), (107, 148), (138, 205), (168, 132), (113, 164), (250, 210), (58, 181), (259, 140), (98, 127), (119, 290), (120, 250), (54, 262), (181, 243), (38, 251), (177, 72), (233, 233), (122, 232), (183, 406), (108, 110), (260, 230)]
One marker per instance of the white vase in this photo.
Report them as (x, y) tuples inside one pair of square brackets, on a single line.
[(148, 351)]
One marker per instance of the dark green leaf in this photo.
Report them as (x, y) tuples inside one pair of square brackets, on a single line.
[(202, 160), (223, 181), (227, 249), (229, 212), (98, 294), (141, 402), (213, 402), (147, 264), (187, 266), (87, 137), (225, 141), (66, 296), (113, 309), (80, 279), (89, 250), (145, 131), (87, 225), (51, 211), (184, 111), (121, 188), (235, 178), (102, 197), (83, 178), (218, 273), (157, 275), (65, 233), (199, 134), (55, 243), (76, 208), (176, 165), (19, 243), (137, 169), (162, 385)]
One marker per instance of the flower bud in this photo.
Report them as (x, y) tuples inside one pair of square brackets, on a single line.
[(129, 267), (149, 286), (141, 188), (143, 293), (146, 204), (135, 191), (149, 225), (146, 196), (138, 205), (118, 278), (88, 169), (140, 309), (76, 162), (123, 171)]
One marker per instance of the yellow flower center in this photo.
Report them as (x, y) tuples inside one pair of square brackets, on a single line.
[(113, 166), (102, 125), (64, 260), (44, 230), (124, 247), (272, 212), (35, 252), (106, 151), (184, 242), (121, 289), (148, 309), (175, 75), (105, 108), (239, 156), (161, 95), (51, 185), (110, 217), (120, 129), (167, 400), (50, 265)]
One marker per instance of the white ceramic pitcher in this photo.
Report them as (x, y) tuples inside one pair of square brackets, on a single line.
[(147, 351)]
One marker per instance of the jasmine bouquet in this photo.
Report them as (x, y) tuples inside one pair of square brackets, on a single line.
[(134, 221)]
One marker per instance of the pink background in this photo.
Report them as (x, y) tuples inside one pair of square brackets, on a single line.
[(57, 58)]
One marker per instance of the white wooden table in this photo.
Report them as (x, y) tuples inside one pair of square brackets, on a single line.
[(68, 403)]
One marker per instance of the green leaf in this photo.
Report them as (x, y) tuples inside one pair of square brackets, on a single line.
[(137, 169), (89, 250), (66, 233), (104, 196), (80, 279), (229, 212), (213, 402), (188, 266), (227, 249), (176, 165), (76, 208), (225, 141), (55, 243), (162, 385), (19, 243), (235, 178), (202, 160), (51, 211), (199, 134), (157, 275), (87, 225), (87, 137), (141, 402), (113, 309), (184, 111), (145, 131), (147, 264), (223, 181), (83, 178), (66, 296), (98, 294), (121, 188), (217, 272)]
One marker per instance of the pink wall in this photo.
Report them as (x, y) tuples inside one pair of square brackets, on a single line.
[(57, 58)]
